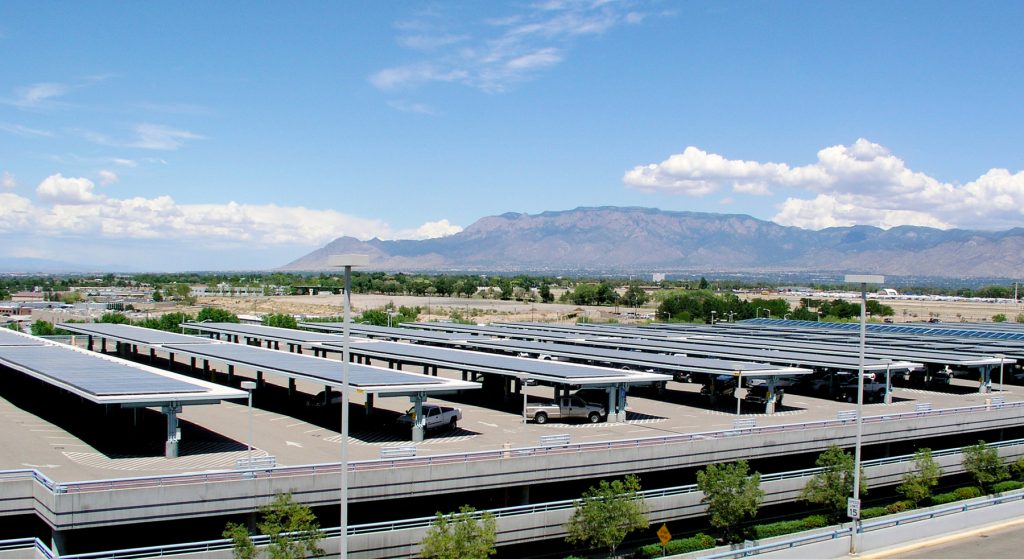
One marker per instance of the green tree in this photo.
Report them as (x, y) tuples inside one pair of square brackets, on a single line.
[(545, 294), (42, 328), (14, 325), (834, 485), (293, 530), (731, 496), (607, 513), (157, 296), (703, 283), (984, 465), (461, 535), (281, 320), (242, 546), (213, 314), (634, 296), (918, 483)]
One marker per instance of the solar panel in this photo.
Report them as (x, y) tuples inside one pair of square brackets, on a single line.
[(10, 338), (324, 369), (476, 360), (135, 334), (259, 331), (92, 374)]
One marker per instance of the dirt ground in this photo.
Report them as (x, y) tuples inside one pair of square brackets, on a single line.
[(490, 310)]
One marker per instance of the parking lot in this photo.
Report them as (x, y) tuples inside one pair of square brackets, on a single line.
[(215, 436)]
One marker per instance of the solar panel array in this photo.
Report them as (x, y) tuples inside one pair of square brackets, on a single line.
[(259, 331), (92, 374), (135, 334), (10, 338), (645, 359), (478, 360), (964, 332), (301, 365)]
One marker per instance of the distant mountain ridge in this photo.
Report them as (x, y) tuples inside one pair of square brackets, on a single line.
[(629, 239)]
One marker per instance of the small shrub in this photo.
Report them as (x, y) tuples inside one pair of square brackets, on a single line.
[(968, 493), (1004, 486), (872, 512), (899, 506), (1017, 469), (676, 547), (944, 498), (763, 531)]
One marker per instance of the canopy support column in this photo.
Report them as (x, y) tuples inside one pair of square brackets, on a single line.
[(171, 445), (419, 423)]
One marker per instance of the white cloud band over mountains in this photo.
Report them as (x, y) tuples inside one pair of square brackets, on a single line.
[(71, 206), (859, 184)]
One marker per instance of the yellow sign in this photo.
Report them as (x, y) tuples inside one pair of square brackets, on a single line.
[(664, 535)]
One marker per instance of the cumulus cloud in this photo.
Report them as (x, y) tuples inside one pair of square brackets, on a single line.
[(497, 52), (67, 206), (58, 189), (431, 230), (7, 181), (107, 177), (862, 183)]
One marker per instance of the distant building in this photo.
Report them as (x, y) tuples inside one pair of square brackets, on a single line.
[(657, 277)]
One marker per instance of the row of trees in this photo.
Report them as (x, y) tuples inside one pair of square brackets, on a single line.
[(703, 305), (608, 512)]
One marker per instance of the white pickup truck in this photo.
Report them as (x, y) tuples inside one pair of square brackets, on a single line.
[(435, 416), (567, 407)]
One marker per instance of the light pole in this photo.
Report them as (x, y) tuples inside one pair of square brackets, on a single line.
[(347, 261), (853, 504), (249, 386), (888, 380)]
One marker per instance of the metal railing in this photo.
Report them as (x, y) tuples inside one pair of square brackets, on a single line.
[(474, 456)]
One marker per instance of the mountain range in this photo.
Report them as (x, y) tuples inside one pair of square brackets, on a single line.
[(628, 239)]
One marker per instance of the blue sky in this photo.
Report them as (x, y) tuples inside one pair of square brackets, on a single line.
[(241, 135)]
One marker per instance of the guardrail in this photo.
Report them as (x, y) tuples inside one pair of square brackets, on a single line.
[(26, 543), (497, 454), (788, 543)]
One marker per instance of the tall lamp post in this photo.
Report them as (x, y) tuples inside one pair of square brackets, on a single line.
[(853, 504), (346, 261), (249, 386)]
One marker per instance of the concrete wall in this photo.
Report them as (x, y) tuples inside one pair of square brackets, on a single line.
[(196, 496)]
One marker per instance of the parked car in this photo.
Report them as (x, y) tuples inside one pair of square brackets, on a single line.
[(436, 417), (874, 391), (567, 407)]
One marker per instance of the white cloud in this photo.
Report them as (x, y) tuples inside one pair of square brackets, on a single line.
[(57, 189), (25, 130), (38, 94), (69, 207), (431, 230), (7, 181), (124, 162), (863, 183), (499, 51), (107, 177), (155, 136), (411, 107)]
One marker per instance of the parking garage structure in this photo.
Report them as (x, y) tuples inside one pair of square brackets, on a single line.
[(363, 379), (680, 367), (105, 380), (498, 374)]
